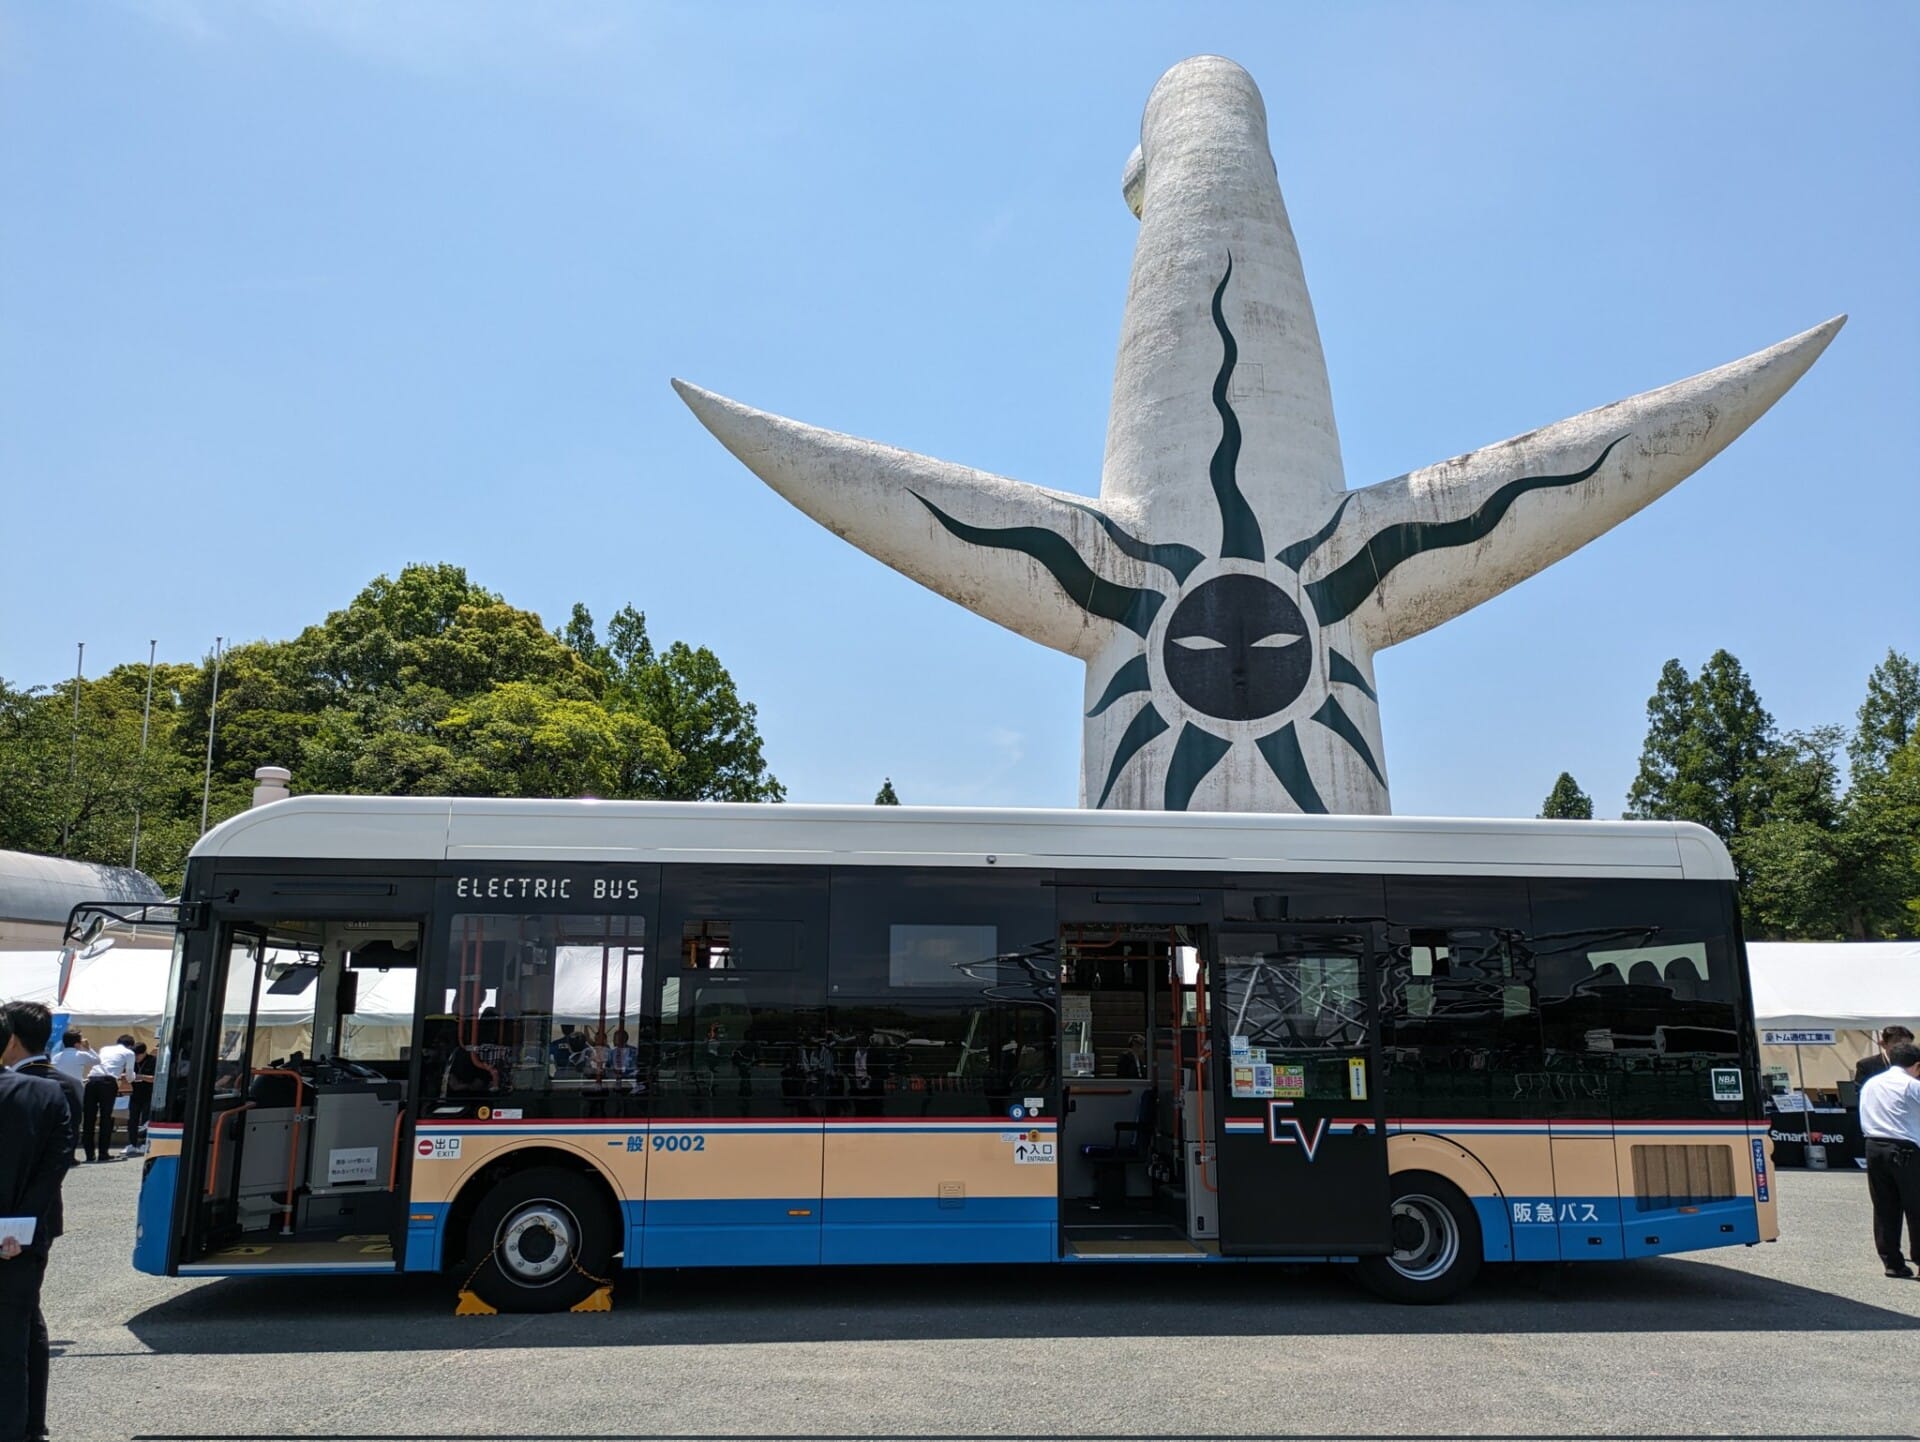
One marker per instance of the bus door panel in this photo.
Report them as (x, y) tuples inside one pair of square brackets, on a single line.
[(302, 983), (1131, 990), (747, 1071), (217, 1131), (1302, 1140)]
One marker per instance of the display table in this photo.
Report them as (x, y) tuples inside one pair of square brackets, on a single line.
[(1795, 1125)]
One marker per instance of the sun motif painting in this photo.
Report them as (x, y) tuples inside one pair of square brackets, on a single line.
[(1227, 592)]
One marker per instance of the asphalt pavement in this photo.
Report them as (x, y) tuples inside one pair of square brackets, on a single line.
[(1799, 1339)]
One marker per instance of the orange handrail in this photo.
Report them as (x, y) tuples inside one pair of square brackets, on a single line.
[(393, 1159), (293, 1144)]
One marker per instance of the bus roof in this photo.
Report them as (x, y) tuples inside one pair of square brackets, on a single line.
[(403, 828)]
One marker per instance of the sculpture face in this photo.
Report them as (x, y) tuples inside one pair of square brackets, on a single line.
[(1237, 648), (1228, 592)]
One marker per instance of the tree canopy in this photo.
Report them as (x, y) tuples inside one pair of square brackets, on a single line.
[(425, 683), (1822, 851), (1567, 802)]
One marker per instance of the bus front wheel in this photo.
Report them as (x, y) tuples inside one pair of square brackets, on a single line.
[(1436, 1242), (541, 1241)]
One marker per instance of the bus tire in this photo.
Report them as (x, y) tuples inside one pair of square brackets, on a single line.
[(541, 1241), (1437, 1248)]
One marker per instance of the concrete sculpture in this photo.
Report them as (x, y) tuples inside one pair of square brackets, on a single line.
[(1228, 592)]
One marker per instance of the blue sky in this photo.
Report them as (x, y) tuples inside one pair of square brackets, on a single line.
[(296, 294)]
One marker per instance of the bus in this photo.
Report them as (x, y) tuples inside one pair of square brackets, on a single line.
[(535, 1042)]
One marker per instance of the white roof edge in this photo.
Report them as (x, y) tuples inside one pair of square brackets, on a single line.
[(477, 828)]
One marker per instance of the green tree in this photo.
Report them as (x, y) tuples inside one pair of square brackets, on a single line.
[(425, 683), (58, 796), (1796, 861), (522, 737), (1663, 755), (1567, 801), (886, 795), (691, 698), (1888, 717), (1883, 829), (1708, 741)]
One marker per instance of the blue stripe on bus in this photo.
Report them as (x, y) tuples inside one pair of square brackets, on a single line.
[(757, 1232), (1604, 1229), (426, 1236), (859, 1230), (153, 1216)]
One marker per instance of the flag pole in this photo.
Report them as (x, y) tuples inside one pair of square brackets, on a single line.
[(73, 753), (213, 707), (140, 790)]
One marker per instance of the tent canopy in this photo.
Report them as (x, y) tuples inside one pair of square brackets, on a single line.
[(126, 986), (1838, 985)]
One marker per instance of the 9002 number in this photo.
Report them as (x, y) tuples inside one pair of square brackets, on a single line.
[(679, 1142)]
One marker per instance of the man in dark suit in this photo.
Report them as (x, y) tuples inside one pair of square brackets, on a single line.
[(36, 1148), (1875, 1061), (29, 1026)]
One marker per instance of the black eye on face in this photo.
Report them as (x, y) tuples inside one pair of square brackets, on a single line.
[(1237, 648)]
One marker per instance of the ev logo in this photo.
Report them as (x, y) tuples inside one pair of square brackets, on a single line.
[(1288, 1131)]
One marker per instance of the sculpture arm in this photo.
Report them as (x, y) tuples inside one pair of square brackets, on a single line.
[(1041, 563), (1412, 552)]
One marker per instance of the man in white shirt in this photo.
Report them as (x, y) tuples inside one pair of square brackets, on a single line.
[(1890, 1122), (75, 1058), (104, 1080)]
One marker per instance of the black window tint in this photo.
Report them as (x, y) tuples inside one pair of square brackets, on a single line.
[(927, 931), (944, 992), (735, 1042), (898, 1059), (1639, 979), (741, 1023), (1459, 1030), (942, 955)]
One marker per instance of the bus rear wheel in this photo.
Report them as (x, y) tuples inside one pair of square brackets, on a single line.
[(541, 1241), (1436, 1242)]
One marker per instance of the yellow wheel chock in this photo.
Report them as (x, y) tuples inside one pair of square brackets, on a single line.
[(600, 1301), (472, 1306)]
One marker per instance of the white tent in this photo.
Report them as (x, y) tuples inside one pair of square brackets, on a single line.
[(118, 989), (1851, 988)]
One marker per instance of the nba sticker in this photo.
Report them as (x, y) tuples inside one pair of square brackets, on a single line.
[(439, 1149), (1726, 1084)]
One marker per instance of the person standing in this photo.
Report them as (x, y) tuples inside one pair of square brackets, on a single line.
[(139, 1100), (28, 1025), (113, 1070), (1875, 1061), (36, 1148), (75, 1058), (1890, 1122)]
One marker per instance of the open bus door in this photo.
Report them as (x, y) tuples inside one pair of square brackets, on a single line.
[(1303, 1148), (295, 1123)]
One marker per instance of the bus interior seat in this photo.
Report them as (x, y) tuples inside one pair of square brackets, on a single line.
[(1132, 1143)]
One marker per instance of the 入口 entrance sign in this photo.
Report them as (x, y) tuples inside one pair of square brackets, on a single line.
[(1227, 592)]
